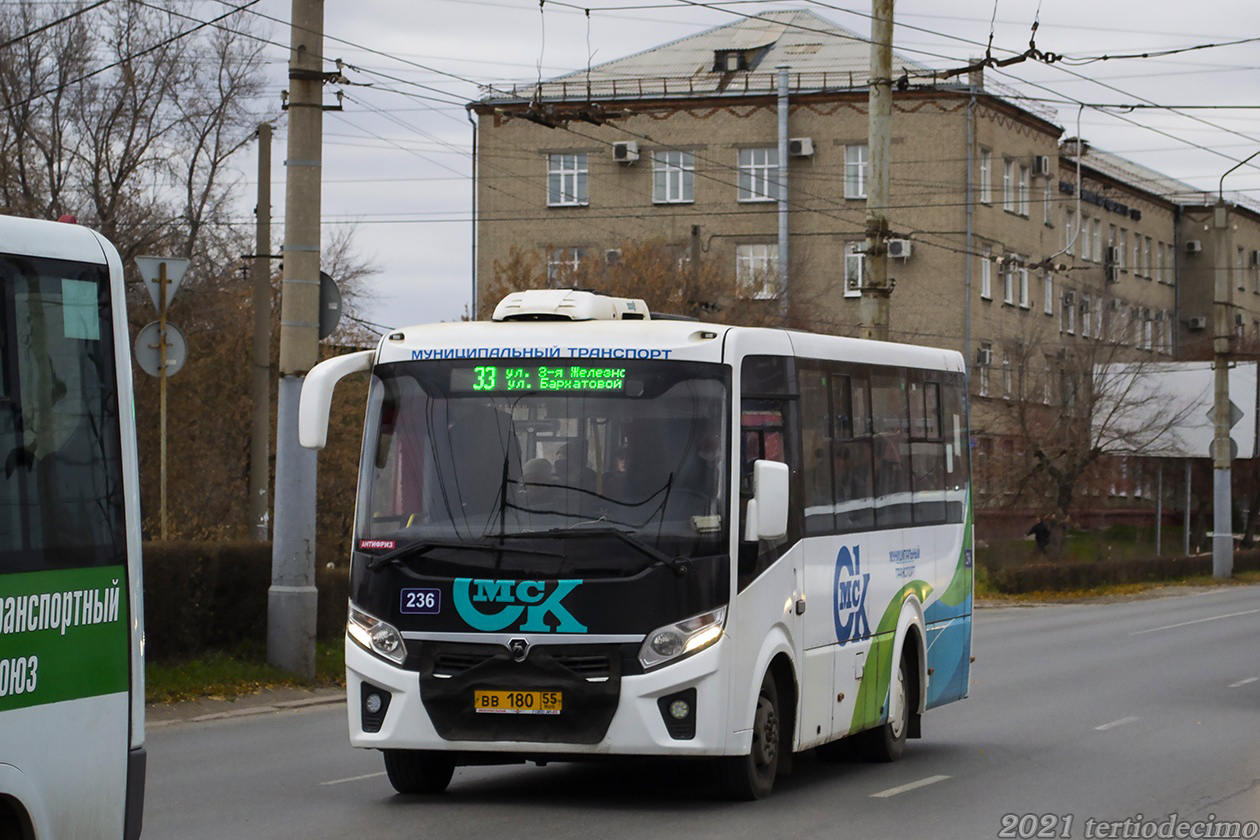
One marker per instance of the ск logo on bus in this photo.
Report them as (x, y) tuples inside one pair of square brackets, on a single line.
[(850, 597), (517, 597)]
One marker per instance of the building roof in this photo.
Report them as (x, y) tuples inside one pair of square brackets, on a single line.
[(819, 53), (1148, 180)]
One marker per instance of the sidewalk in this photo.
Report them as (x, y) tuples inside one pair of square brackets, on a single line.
[(158, 715)]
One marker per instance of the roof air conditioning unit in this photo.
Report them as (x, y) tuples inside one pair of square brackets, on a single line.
[(1193, 246), (900, 248), (626, 151), (1041, 164), (801, 147), (1198, 322)]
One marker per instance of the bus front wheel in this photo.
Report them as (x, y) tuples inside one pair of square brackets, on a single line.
[(751, 776), (419, 771)]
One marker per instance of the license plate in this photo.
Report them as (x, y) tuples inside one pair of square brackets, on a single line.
[(517, 702)]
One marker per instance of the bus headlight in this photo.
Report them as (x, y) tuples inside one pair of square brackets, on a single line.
[(687, 636), (380, 637)]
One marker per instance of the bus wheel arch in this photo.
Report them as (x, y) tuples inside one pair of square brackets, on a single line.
[(14, 820)]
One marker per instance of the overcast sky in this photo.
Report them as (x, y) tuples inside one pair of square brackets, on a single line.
[(397, 160)]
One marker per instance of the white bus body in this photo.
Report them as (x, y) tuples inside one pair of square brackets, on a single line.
[(72, 759), (498, 615)]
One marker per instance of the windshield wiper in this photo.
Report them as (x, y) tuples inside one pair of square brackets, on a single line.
[(678, 565), (418, 549)]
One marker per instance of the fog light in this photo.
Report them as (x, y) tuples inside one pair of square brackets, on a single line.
[(678, 712), (374, 703)]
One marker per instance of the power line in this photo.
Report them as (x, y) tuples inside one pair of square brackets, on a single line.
[(51, 24)]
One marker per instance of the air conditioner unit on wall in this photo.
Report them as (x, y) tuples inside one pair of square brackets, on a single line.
[(626, 151), (1193, 246), (1199, 322), (1041, 164), (900, 248), (801, 147)]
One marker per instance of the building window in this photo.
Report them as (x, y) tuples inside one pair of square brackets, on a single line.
[(1069, 313), (855, 171), (757, 270), (1069, 230), (1047, 382), (986, 176), (1023, 192), (1008, 185), (1023, 285), (1238, 269), (562, 264), (986, 273), (1047, 204), (1146, 256), (984, 360), (1084, 316), (1049, 281), (1122, 245), (673, 177), (1008, 280), (1006, 378), (758, 174), (1160, 269), (1098, 251), (854, 268), (567, 180)]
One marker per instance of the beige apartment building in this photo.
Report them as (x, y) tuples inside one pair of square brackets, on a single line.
[(1012, 245)]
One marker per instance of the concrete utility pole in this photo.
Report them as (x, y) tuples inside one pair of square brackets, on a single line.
[(1222, 491), (291, 601), (873, 307), (260, 390), (783, 191)]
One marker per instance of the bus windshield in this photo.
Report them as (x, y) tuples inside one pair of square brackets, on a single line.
[(502, 453)]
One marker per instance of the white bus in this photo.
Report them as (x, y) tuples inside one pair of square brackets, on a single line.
[(72, 759), (585, 531)]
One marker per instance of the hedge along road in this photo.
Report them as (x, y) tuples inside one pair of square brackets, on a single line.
[(1088, 711)]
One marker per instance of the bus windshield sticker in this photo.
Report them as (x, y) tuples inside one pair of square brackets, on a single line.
[(526, 596)]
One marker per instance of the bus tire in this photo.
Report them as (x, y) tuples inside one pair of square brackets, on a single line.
[(419, 771), (749, 777), (886, 743)]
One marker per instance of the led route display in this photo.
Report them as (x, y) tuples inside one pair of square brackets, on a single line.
[(494, 379)]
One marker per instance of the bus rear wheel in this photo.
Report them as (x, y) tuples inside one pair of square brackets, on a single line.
[(751, 776), (887, 742), (419, 771)]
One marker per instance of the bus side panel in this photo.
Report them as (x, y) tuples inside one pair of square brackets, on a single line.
[(762, 623), (949, 659), (69, 749)]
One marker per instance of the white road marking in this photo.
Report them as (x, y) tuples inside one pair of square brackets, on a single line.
[(1196, 621), (1116, 723), (353, 779), (930, 780), (1241, 683)]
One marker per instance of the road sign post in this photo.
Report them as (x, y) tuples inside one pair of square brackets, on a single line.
[(159, 273)]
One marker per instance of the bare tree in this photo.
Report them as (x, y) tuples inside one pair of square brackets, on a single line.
[(659, 272), (1070, 403)]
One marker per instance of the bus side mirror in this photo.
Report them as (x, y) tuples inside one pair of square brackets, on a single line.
[(767, 514), (317, 393)]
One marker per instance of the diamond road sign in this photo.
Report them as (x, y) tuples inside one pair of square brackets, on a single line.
[(1235, 414)]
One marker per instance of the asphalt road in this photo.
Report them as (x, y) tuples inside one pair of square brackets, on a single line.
[(1135, 710)]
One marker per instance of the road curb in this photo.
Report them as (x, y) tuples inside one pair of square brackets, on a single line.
[(159, 716)]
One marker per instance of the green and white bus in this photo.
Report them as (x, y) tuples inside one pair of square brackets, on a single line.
[(72, 759), (584, 531)]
